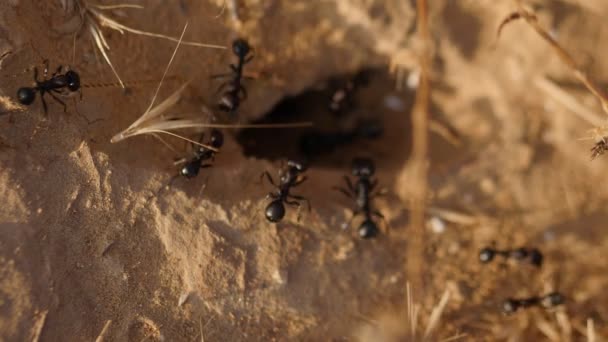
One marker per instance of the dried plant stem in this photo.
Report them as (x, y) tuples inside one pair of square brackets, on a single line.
[(419, 158), (563, 55), (568, 101), (104, 331)]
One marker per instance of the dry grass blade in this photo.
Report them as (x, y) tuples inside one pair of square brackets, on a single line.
[(436, 314), (93, 19), (102, 45), (106, 21), (562, 53), (104, 331), (155, 121), (419, 158), (590, 331)]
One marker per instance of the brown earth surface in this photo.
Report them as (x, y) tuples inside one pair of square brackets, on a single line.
[(95, 247)]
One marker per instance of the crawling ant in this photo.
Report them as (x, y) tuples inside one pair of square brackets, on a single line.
[(316, 143), (289, 177), (234, 91), (549, 301), (58, 83), (361, 192), (531, 255), (202, 154), (342, 99)]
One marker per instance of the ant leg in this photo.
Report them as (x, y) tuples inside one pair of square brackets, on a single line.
[(243, 92), (46, 108), (233, 67), (301, 198), (65, 107), (344, 191), (58, 71), (269, 177), (248, 59), (349, 184), (36, 75)]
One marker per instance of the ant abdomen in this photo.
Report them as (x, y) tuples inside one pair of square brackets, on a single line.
[(486, 255), (26, 96), (217, 138), (368, 229), (190, 170), (275, 211), (73, 80)]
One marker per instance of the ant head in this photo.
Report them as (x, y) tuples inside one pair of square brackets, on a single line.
[(368, 229), (26, 95), (552, 299), (536, 257), (190, 170), (229, 102), (486, 255), (241, 48), (275, 211), (509, 306), (73, 80), (298, 165), (363, 167), (217, 138)]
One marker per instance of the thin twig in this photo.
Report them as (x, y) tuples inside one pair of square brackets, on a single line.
[(562, 53), (38, 326), (419, 158), (104, 331), (568, 101)]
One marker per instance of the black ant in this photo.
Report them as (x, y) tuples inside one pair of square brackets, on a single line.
[(549, 301), (361, 192), (202, 154), (289, 177), (58, 82), (531, 255), (234, 91), (342, 99)]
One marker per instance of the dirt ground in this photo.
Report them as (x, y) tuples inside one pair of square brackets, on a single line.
[(94, 247)]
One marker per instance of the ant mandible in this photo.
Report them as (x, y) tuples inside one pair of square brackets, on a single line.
[(361, 192), (234, 91), (202, 154), (548, 301), (531, 255), (59, 81), (289, 177)]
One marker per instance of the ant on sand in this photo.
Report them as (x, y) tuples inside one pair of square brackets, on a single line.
[(531, 255), (201, 155), (548, 301), (58, 83), (289, 177), (361, 192), (233, 90)]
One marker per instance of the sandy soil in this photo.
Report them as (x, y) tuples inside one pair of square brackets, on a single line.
[(93, 247)]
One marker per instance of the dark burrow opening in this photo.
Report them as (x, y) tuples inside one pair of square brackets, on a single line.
[(355, 115)]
